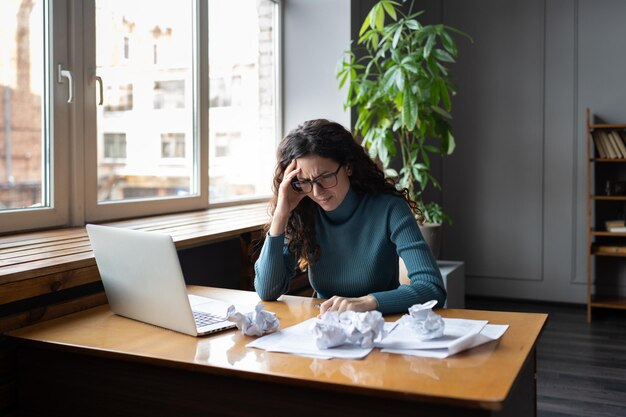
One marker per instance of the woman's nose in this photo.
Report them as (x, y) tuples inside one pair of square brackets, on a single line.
[(317, 189)]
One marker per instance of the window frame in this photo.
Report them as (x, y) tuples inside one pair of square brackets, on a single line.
[(56, 114), (99, 211), (73, 138)]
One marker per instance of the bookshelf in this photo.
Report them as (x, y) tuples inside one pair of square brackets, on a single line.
[(606, 201)]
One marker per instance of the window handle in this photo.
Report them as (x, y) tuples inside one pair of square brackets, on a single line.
[(66, 74), (100, 89)]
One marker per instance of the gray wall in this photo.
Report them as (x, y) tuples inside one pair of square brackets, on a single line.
[(315, 35), (516, 184)]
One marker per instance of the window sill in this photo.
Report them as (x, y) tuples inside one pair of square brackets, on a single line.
[(40, 263)]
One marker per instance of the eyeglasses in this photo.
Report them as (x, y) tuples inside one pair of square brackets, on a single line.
[(324, 181)]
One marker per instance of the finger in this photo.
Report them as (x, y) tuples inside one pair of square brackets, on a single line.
[(287, 178), (344, 305), (293, 173), (326, 305), (292, 165)]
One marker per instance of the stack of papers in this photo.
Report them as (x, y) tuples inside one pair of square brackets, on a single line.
[(459, 335)]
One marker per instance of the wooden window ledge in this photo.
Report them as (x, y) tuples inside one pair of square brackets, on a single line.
[(36, 264)]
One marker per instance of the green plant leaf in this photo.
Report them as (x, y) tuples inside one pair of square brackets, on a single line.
[(365, 26), (344, 77), (375, 40), (442, 55), (380, 17), (399, 78), (390, 172), (429, 45), (391, 11), (425, 157), (449, 143), (409, 109), (396, 37), (434, 181), (445, 97), (448, 43), (412, 24), (441, 111), (389, 78)]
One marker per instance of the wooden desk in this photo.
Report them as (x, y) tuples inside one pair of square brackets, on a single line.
[(99, 364)]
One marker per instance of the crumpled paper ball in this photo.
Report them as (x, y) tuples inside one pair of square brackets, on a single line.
[(423, 321), (254, 323), (349, 327)]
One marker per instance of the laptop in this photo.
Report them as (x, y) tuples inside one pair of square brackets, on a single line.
[(143, 281)]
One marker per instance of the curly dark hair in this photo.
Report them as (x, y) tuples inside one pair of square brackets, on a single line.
[(328, 140)]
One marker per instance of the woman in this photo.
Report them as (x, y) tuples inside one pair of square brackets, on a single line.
[(335, 214)]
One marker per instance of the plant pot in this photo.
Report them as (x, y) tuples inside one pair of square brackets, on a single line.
[(432, 235)]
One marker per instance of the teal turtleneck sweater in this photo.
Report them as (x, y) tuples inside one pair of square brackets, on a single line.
[(360, 242)]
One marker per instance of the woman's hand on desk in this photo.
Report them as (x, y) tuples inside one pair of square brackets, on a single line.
[(340, 304)]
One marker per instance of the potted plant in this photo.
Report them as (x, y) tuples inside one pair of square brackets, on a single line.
[(398, 82)]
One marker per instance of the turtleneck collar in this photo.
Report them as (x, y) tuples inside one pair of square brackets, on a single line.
[(345, 209)]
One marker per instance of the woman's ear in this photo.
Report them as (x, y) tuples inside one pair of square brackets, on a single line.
[(349, 169)]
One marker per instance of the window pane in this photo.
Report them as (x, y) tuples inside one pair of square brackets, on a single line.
[(242, 94), (146, 123), (22, 166)]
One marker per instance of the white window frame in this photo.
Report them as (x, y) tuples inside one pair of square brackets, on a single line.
[(73, 130), (56, 112)]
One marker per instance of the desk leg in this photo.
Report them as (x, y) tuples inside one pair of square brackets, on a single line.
[(522, 401)]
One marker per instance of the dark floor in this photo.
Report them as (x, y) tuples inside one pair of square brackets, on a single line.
[(581, 367)]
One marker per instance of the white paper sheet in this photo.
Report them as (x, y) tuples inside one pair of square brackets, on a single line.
[(455, 330), (439, 348), (300, 340)]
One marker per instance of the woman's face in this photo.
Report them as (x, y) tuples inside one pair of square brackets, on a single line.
[(314, 167)]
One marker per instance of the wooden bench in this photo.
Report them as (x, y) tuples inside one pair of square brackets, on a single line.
[(37, 264)]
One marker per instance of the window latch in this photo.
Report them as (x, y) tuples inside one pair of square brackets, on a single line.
[(66, 74)]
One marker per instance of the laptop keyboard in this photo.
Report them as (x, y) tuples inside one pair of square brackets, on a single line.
[(204, 319)]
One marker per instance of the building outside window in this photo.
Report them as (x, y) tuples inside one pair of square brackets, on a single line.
[(172, 145), (169, 94), (115, 146)]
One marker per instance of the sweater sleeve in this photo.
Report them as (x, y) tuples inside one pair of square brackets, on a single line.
[(274, 268), (425, 278)]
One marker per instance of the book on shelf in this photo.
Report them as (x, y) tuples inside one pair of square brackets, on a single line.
[(609, 250), (620, 143), (615, 144), (604, 140), (597, 139), (612, 149), (615, 226)]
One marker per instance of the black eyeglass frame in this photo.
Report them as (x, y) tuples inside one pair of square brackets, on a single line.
[(297, 185)]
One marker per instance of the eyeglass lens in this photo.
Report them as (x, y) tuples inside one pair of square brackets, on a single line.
[(324, 181)]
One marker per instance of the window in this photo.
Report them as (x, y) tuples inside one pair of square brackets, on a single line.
[(242, 110), (126, 47), (169, 94), (114, 145), (118, 98), (156, 118), (22, 140), (31, 195), (172, 145)]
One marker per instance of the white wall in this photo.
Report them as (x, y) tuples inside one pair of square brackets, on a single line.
[(315, 33)]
